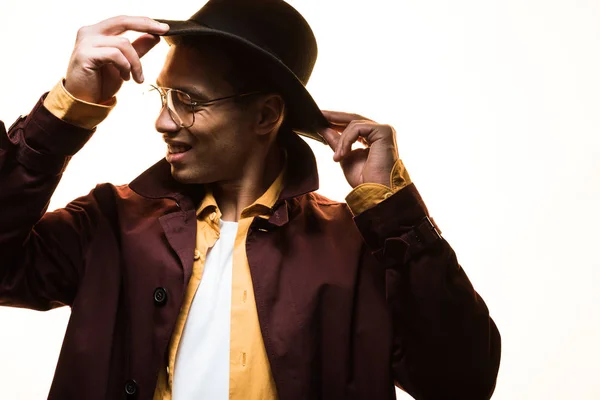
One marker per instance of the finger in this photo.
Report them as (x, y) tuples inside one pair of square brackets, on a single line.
[(350, 136), (354, 156), (342, 128), (111, 55), (123, 23), (342, 118), (125, 46), (145, 43), (331, 136)]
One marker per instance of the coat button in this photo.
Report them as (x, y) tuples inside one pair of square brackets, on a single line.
[(131, 388), (160, 296)]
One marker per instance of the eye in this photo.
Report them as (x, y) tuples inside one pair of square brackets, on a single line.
[(189, 103), (184, 98)]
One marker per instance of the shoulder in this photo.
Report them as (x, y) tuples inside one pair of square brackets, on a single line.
[(120, 200), (315, 203), (322, 201)]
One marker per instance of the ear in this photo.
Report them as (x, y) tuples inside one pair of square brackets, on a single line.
[(270, 115)]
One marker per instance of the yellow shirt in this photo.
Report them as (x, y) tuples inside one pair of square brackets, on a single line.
[(249, 370), (250, 373)]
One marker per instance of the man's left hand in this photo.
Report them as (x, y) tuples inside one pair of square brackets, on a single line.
[(371, 164)]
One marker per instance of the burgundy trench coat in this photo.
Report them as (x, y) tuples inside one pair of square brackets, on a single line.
[(347, 306)]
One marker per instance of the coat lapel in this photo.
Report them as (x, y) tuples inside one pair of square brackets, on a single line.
[(180, 231), (180, 226)]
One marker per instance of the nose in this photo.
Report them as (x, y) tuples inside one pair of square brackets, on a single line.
[(164, 123)]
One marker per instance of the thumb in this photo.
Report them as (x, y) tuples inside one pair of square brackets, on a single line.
[(331, 136)]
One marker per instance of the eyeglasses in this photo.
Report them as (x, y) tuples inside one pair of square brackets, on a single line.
[(183, 108)]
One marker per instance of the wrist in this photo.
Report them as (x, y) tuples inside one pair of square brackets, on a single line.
[(76, 93)]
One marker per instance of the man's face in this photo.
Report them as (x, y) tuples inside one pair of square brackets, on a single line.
[(216, 147)]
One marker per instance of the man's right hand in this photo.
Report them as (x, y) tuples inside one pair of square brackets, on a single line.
[(102, 59)]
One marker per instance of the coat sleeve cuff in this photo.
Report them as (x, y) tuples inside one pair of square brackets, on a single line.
[(47, 134), (394, 217), (368, 195), (82, 114)]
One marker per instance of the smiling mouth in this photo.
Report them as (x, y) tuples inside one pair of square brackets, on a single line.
[(178, 148)]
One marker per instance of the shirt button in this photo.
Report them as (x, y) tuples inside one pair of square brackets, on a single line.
[(160, 297), (131, 388), (196, 254)]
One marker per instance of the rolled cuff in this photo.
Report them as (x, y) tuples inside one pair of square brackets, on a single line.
[(368, 195), (82, 114)]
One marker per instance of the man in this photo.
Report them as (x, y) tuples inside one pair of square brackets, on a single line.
[(219, 273)]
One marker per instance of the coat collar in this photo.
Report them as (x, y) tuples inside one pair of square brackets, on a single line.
[(301, 178)]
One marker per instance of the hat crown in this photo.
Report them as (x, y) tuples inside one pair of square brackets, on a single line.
[(273, 25)]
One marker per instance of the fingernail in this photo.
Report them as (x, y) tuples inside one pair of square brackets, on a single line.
[(164, 26), (141, 77)]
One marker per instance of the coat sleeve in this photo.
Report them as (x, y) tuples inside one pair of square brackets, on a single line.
[(445, 345), (41, 254)]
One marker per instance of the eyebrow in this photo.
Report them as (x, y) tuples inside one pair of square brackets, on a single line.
[(196, 94)]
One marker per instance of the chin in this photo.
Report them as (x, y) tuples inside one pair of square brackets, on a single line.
[(191, 177)]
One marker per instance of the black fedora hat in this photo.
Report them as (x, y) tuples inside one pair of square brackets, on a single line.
[(280, 38)]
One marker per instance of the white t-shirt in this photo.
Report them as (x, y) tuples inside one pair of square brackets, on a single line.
[(202, 362)]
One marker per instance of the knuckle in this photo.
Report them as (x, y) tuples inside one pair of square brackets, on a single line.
[(113, 52), (134, 59), (135, 63), (352, 124), (117, 56), (82, 32), (120, 19)]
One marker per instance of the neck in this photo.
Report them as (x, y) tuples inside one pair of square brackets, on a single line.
[(260, 172)]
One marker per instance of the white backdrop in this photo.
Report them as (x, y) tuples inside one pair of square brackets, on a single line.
[(496, 104)]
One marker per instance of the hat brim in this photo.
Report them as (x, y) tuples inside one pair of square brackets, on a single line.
[(304, 116)]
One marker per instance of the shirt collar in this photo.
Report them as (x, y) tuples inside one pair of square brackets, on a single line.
[(262, 207)]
